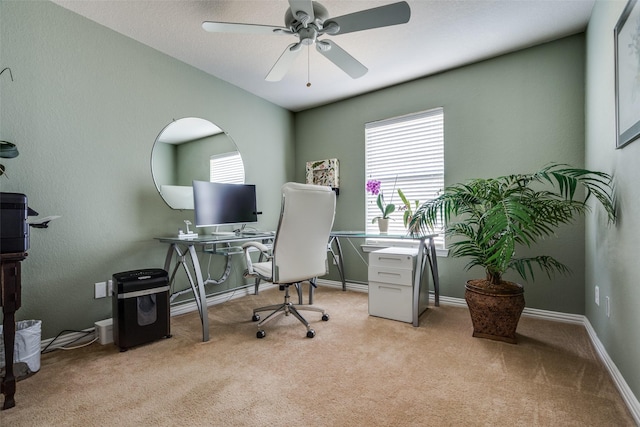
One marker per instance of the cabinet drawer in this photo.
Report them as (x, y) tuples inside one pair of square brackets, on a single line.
[(397, 276), (390, 301), (394, 258)]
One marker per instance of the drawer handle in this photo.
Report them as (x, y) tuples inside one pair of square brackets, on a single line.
[(382, 273), (389, 259)]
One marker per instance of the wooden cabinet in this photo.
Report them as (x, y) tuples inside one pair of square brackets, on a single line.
[(10, 292)]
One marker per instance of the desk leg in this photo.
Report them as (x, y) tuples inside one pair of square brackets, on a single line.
[(337, 258), (312, 286), (200, 293), (197, 287), (181, 262), (427, 249), (417, 283), (433, 264)]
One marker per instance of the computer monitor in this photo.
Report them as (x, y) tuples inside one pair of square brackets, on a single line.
[(219, 204)]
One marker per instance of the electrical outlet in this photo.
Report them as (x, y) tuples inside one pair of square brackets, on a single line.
[(100, 290), (608, 306), (597, 295)]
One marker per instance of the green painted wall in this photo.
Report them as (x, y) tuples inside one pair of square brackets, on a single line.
[(612, 251), (85, 109), (510, 114)]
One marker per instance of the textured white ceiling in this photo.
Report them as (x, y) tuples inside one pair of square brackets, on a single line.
[(442, 34)]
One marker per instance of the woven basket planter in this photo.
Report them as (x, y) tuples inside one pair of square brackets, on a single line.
[(495, 312)]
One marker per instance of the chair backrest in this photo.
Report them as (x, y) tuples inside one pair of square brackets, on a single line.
[(306, 219)]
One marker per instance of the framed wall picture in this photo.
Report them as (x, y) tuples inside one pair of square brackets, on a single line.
[(324, 172), (627, 64)]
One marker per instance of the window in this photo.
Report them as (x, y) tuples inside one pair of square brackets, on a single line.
[(226, 168), (405, 153)]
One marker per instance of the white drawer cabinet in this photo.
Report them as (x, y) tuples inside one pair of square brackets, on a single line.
[(391, 282)]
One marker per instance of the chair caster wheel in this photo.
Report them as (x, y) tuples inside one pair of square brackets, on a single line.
[(311, 333), (325, 317), (261, 334), (255, 317)]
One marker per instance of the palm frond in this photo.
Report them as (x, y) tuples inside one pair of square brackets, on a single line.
[(548, 264), (492, 217)]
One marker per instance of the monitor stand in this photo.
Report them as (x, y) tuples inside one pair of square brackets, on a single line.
[(223, 233)]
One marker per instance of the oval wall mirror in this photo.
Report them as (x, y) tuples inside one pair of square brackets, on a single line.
[(191, 149)]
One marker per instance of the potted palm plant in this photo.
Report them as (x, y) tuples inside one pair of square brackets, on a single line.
[(490, 219)]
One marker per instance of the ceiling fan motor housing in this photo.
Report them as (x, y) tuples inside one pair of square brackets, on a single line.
[(295, 23)]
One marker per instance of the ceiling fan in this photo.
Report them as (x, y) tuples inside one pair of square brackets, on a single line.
[(308, 20)]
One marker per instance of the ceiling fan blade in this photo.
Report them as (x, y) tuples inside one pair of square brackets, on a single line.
[(341, 58), (231, 27), (305, 6), (284, 63), (383, 16)]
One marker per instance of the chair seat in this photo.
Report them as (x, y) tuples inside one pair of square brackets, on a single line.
[(263, 268)]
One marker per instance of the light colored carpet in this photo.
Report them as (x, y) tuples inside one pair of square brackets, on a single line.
[(358, 371)]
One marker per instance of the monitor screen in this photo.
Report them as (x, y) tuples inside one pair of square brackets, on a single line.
[(219, 204)]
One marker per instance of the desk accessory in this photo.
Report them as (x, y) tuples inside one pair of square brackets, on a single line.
[(189, 234)]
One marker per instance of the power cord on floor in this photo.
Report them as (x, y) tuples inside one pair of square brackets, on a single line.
[(86, 333), (79, 345)]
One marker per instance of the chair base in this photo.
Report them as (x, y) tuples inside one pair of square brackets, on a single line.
[(287, 308)]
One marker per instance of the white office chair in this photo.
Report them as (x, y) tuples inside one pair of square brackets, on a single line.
[(299, 250)]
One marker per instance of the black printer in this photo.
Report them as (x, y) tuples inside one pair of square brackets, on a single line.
[(14, 229)]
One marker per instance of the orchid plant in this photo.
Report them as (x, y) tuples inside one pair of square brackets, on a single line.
[(373, 188)]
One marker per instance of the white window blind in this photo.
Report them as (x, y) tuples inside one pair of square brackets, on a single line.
[(405, 153), (226, 168)]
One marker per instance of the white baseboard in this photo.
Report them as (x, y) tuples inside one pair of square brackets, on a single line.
[(358, 287), (218, 299), (627, 394)]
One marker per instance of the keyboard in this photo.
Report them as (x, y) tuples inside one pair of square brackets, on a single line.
[(257, 233)]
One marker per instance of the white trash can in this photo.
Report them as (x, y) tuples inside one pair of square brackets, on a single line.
[(27, 344)]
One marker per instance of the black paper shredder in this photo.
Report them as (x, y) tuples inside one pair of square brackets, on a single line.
[(140, 307)]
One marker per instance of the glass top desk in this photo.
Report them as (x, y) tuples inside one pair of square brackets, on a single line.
[(186, 253), (426, 252), (185, 250)]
